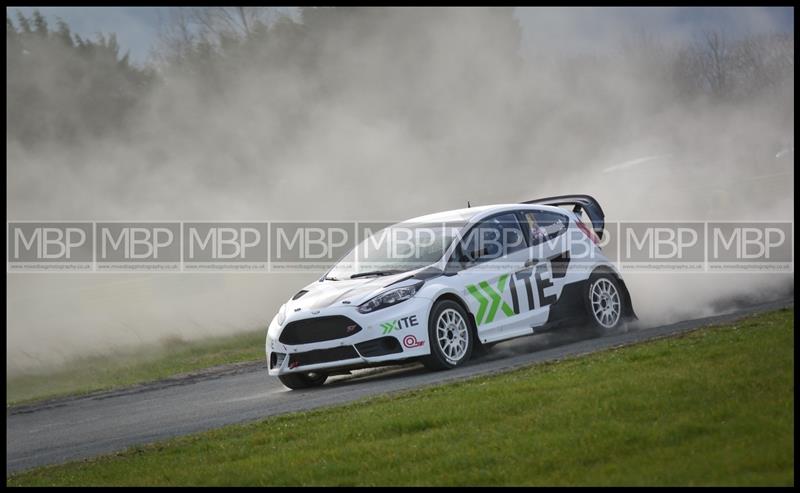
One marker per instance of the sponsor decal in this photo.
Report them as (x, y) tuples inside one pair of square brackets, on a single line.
[(412, 342), (399, 324), (490, 298)]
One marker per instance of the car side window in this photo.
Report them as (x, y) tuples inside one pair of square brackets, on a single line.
[(545, 225), (492, 238)]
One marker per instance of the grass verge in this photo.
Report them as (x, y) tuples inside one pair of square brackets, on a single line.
[(97, 373), (713, 407)]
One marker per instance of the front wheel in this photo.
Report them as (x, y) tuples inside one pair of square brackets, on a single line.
[(296, 381), (449, 335), (604, 302)]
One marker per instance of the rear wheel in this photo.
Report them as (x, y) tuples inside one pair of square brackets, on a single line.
[(450, 336), (296, 381), (604, 302)]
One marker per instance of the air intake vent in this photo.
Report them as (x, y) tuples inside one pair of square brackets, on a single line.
[(299, 294), (322, 356), (379, 347), (276, 360)]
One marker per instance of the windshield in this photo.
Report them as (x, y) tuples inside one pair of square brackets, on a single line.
[(397, 248)]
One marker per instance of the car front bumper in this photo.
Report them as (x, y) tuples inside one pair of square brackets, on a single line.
[(395, 333)]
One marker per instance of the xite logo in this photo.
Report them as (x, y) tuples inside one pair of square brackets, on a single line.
[(402, 323)]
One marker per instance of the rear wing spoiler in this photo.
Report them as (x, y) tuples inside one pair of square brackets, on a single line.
[(580, 203)]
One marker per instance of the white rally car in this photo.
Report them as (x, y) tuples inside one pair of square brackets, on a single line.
[(439, 287)]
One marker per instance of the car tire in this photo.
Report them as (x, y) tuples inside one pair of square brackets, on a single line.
[(297, 381), (604, 301), (450, 336)]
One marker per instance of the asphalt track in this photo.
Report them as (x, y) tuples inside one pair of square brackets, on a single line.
[(76, 428)]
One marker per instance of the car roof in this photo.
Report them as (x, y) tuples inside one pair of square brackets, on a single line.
[(469, 214)]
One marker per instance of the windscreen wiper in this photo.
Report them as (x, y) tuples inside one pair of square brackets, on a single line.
[(375, 273)]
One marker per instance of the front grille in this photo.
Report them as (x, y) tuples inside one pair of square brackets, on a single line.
[(318, 329), (379, 347), (322, 356)]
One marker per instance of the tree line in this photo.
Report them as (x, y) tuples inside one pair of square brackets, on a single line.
[(62, 87)]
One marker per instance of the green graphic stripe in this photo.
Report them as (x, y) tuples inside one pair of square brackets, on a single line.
[(494, 296), (481, 300), (495, 300), (501, 286)]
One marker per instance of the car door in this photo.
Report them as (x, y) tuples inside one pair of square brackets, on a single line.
[(549, 253), (488, 257)]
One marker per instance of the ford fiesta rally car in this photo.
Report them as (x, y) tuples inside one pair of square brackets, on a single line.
[(440, 287)]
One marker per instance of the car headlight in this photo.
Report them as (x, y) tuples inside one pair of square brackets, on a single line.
[(389, 298), (281, 314)]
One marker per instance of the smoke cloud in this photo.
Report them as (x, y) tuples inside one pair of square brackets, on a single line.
[(374, 114)]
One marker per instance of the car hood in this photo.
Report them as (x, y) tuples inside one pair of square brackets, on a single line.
[(322, 294)]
